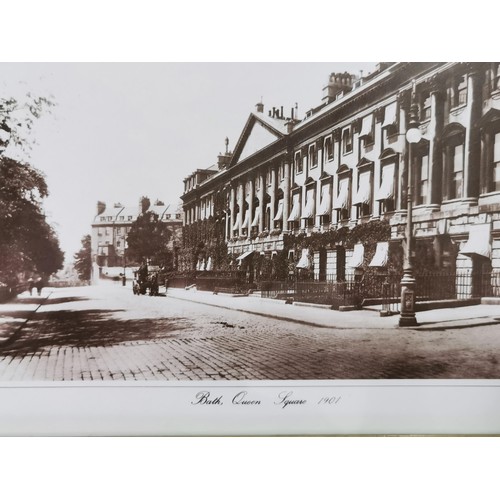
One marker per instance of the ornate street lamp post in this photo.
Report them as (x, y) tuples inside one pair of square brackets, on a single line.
[(124, 279), (413, 136)]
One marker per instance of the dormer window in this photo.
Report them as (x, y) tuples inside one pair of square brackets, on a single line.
[(178, 216), (103, 219)]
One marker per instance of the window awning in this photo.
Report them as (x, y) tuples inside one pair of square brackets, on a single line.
[(390, 117), (279, 213), (343, 197), (295, 213), (366, 127), (326, 200), (256, 217), (381, 255), (243, 256), (199, 265), (247, 219), (236, 224), (479, 242), (386, 189), (309, 208), (304, 260), (208, 266), (364, 189), (357, 257)]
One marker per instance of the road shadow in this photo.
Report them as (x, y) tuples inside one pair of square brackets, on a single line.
[(89, 328)]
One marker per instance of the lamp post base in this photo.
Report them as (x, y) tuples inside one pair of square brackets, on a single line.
[(407, 317)]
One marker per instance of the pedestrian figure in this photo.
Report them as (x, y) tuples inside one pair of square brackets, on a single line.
[(39, 285), (31, 285)]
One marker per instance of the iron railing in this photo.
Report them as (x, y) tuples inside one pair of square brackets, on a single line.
[(355, 290), (375, 288)]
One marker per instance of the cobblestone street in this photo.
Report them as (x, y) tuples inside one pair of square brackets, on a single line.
[(106, 333)]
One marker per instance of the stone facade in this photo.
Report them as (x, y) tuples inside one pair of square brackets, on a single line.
[(347, 163)]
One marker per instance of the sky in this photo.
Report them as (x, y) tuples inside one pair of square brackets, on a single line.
[(120, 131)]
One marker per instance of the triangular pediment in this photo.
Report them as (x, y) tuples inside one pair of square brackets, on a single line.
[(256, 135)]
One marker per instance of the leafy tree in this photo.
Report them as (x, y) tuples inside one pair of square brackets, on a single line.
[(17, 119), (27, 242), (148, 239), (83, 259)]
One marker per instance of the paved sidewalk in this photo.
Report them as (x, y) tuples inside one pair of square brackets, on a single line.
[(322, 316), (15, 313)]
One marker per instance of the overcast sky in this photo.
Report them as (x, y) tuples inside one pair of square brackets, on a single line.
[(121, 131)]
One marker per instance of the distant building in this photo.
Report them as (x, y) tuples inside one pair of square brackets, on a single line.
[(112, 224)]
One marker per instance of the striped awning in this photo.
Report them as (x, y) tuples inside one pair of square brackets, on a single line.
[(343, 197), (243, 256), (309, 208), (386, 189), (247, 219), (381, 255), (326, 200), (358, 256), (363, 194), (390, 115), (304, 260), (366, 127), (295, 213), (279, 213), (479, 242), (255, 221)]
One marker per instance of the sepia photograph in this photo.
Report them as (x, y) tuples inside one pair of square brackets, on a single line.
[(205, 222)]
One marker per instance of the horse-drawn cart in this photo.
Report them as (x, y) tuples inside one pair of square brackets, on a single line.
[(146, 280)]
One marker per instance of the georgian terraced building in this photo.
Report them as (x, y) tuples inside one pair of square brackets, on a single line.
[(327, 193)]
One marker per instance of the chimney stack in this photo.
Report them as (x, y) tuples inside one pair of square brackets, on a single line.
[(224, 159), (337, 83), (101, 207), (259, 107)]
